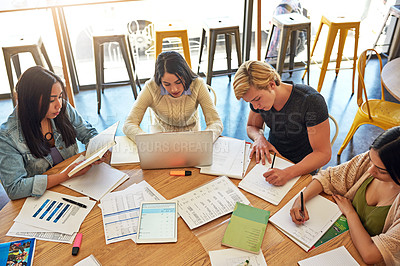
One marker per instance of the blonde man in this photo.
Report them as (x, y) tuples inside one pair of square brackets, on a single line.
[(296, 115)]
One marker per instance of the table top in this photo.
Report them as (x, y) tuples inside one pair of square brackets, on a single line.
[(192, 246), (391, 77)]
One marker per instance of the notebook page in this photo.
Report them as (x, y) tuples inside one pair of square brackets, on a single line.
[(322, 212), (338, 256), (254, 182), (99, 180), (124, 152), (228, 158)]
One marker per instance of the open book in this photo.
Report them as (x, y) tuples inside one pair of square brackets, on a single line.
[(255, 183), (230, 158), (96, 148), (322, 212)]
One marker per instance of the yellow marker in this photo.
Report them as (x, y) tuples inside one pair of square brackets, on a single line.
[(180, 173)]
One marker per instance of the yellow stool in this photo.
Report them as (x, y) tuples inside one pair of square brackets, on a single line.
[(344, 25), (170, 31)]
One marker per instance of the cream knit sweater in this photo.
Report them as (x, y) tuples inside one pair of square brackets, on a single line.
[(173, 114), (345, 179)]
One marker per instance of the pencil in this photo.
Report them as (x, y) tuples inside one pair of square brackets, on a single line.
[(273, 160)]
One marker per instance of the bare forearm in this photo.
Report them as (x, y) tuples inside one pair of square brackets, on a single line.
[(53, 180), (310, 163), (362, 240), (254, 132)]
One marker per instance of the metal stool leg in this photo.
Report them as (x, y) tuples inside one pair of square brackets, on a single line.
[(228, 48), (212, 43), (203, 36)]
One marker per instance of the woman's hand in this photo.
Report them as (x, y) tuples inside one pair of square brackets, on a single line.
[(344, 204), (105, 159), (261, 147), (276, 177), (80, 172), (299, 217)]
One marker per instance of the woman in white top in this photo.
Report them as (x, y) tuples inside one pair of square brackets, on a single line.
[(173, 94)]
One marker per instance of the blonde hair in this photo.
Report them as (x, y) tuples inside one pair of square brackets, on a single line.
[(254, 73)]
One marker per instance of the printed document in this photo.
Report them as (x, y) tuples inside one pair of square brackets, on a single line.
[(210, 201), (335, 257), (230, 158), (255, 183), (120, 211), (28, 231), (231, 256), (323, 213), (98, 181), (51, 212), (124, 152)]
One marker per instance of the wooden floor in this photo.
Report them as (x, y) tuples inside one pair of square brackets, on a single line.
[(117, 102)]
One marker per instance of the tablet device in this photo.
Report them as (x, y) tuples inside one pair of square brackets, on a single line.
[(157, 222)]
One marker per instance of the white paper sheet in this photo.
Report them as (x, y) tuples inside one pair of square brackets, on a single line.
[(235, 257), (336, 257), (254, 182), (28, 231), (209, 202), (88, 261), (120, 211), (230, 158), (52, 213), (97, 182), (105, 139), (124, 152), (322, 212)]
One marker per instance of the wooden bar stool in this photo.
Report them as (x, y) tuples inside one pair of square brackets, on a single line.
[(36, 49), (335, 24), (215, 27), (395, 41), (171, 30), (289, 25), (126, 52)]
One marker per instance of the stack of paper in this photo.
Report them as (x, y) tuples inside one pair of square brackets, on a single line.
[(322, 212), (120, 211), (97, 182), (124, 152), (255, 183), (336, 257), (209, 201), (51, 218), (230, 158)]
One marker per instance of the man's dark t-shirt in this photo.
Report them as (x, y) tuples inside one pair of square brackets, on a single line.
[(288, 127)]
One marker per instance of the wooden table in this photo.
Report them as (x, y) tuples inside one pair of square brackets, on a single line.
[(192, 246), (391, 77)]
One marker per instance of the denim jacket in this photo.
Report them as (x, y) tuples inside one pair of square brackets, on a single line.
[(21, 173)]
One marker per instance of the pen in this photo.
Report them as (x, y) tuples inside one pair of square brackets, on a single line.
[(273, 160), (74, 202), (302, 205)]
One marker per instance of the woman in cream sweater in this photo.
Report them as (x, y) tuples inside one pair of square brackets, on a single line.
[(367, 191), (173, 94)]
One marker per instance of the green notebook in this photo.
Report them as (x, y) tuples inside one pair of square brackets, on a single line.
[(338, 228), (246, 228)]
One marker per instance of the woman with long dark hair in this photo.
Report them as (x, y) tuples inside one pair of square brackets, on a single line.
[(173, 94), (367, 191), (40, 133)]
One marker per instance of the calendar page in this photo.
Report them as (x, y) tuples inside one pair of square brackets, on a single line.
[(157, 222)]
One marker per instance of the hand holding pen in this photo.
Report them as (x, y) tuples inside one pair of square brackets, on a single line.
[(299, 212), (275, 176)]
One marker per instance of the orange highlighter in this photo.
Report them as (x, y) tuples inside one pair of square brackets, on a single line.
[(180, 173)]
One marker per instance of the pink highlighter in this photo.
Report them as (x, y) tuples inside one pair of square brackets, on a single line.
[(77, 244)]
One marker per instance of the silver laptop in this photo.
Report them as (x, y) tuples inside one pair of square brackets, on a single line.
[(175, 149)]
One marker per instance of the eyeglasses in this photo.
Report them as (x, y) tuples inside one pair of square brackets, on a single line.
[(381, 170)]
